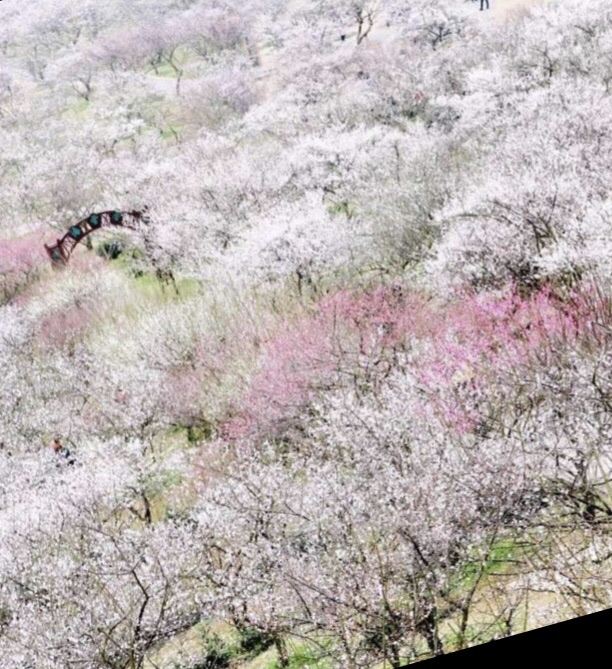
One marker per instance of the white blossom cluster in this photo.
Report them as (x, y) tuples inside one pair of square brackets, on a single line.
[(292, 155)]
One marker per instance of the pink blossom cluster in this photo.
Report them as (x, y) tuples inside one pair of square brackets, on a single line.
[(346, 330), (481, 336), (462, 346), (185, 397), (64, 326), (22, 254)]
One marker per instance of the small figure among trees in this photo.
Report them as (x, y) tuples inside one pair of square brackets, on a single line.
[(62, 452)]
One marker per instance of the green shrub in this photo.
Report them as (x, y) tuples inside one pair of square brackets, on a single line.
[(254, 642)]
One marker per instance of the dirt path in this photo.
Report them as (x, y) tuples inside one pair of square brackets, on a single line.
[(505, 9)]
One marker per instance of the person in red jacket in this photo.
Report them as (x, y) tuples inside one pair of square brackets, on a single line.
[(60, 450)]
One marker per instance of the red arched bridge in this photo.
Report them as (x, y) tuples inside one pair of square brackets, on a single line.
[(61, 251)]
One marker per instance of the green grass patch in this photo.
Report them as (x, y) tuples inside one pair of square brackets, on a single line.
[(185, 436), (343, 208), (130, 260), (304, 656), (78, 108), (502, 556), (476, 634), (172, 132), (183, 56)]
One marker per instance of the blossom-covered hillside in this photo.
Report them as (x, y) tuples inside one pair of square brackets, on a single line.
[(343, 398)]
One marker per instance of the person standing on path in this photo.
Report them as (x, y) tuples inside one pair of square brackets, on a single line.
[(482, 4)]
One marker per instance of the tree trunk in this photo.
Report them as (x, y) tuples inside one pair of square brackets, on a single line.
[(281, 649)]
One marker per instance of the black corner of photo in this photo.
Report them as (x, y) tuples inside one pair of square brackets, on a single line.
[(577, 643)]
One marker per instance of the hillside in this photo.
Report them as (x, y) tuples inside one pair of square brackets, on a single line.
[(329, 384)]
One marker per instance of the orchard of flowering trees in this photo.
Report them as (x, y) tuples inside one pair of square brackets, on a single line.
[(346, 400)]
